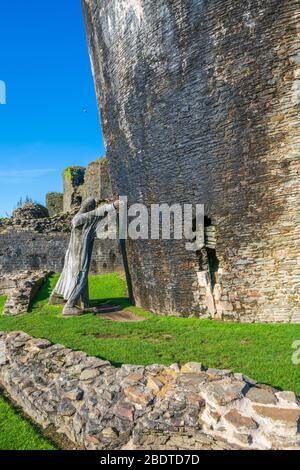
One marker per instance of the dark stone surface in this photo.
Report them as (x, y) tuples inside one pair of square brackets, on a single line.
[(198, 102)]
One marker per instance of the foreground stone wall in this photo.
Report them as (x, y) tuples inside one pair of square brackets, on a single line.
[(98, 406), (199, 104)]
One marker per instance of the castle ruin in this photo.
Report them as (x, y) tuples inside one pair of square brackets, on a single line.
[(36, 238), (199, 103)]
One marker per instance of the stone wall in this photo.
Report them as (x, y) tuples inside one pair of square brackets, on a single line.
[(73, 181), (98, 406), (199, 104), (29, 250), (55, 203), (20, 290), (97, 181), (81, 183)]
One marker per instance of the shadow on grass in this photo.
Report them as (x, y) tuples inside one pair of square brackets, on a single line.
[(44, 292), (49, 284), (120, 301)]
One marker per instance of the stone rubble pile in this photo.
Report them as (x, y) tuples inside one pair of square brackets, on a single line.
[(98, 406), (20, 289), (30, 210), (58, 223)]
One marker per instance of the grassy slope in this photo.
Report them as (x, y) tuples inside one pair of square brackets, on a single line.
[(261, 351)]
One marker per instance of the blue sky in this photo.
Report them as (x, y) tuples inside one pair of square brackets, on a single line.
[(45, 64)]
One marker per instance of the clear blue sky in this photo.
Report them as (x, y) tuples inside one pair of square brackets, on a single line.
[(43, 129)]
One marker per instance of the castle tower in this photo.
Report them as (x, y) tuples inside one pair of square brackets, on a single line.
[(199, 104)]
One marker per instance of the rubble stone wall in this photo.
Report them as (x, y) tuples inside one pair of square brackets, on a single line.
[(54, 203), (98, 406), (73, 181), (21, 251), (29, 250), (20, 290), (199, 103), (97, 181)]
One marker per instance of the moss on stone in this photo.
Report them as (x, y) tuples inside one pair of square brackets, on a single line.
[(75, 175), (103, 161)]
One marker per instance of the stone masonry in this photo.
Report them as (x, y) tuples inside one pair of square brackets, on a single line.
[(73, 180), (81, 183), (20, 289), (98, 406), (55, 203), (199, 103), (97, 181), (36, 238)]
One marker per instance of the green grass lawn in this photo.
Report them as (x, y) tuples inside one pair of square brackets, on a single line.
[(263, 352), (16, 433), (2, 302)]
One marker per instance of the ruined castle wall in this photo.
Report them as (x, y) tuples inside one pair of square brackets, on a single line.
[(32, 251), (97, 181), (54, 203), (199, 104), (21, 251), (73, 181)]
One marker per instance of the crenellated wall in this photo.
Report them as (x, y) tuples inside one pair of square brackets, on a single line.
[(199, 103)]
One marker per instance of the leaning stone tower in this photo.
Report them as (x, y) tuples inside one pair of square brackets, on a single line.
[(199, 102)]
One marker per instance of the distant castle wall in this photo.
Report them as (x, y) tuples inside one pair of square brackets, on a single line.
[(28, 250), (199, 103), (28, 243), (55, 203), (81, 183), (21, 251)]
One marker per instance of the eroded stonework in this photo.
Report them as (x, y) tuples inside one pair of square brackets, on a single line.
[(20, 290), (98, 406), (199, 103)]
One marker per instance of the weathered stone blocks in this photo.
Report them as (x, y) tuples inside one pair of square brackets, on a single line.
[(20, 289), (199, 104), (73, 181), (98, 406), (54, 203)]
